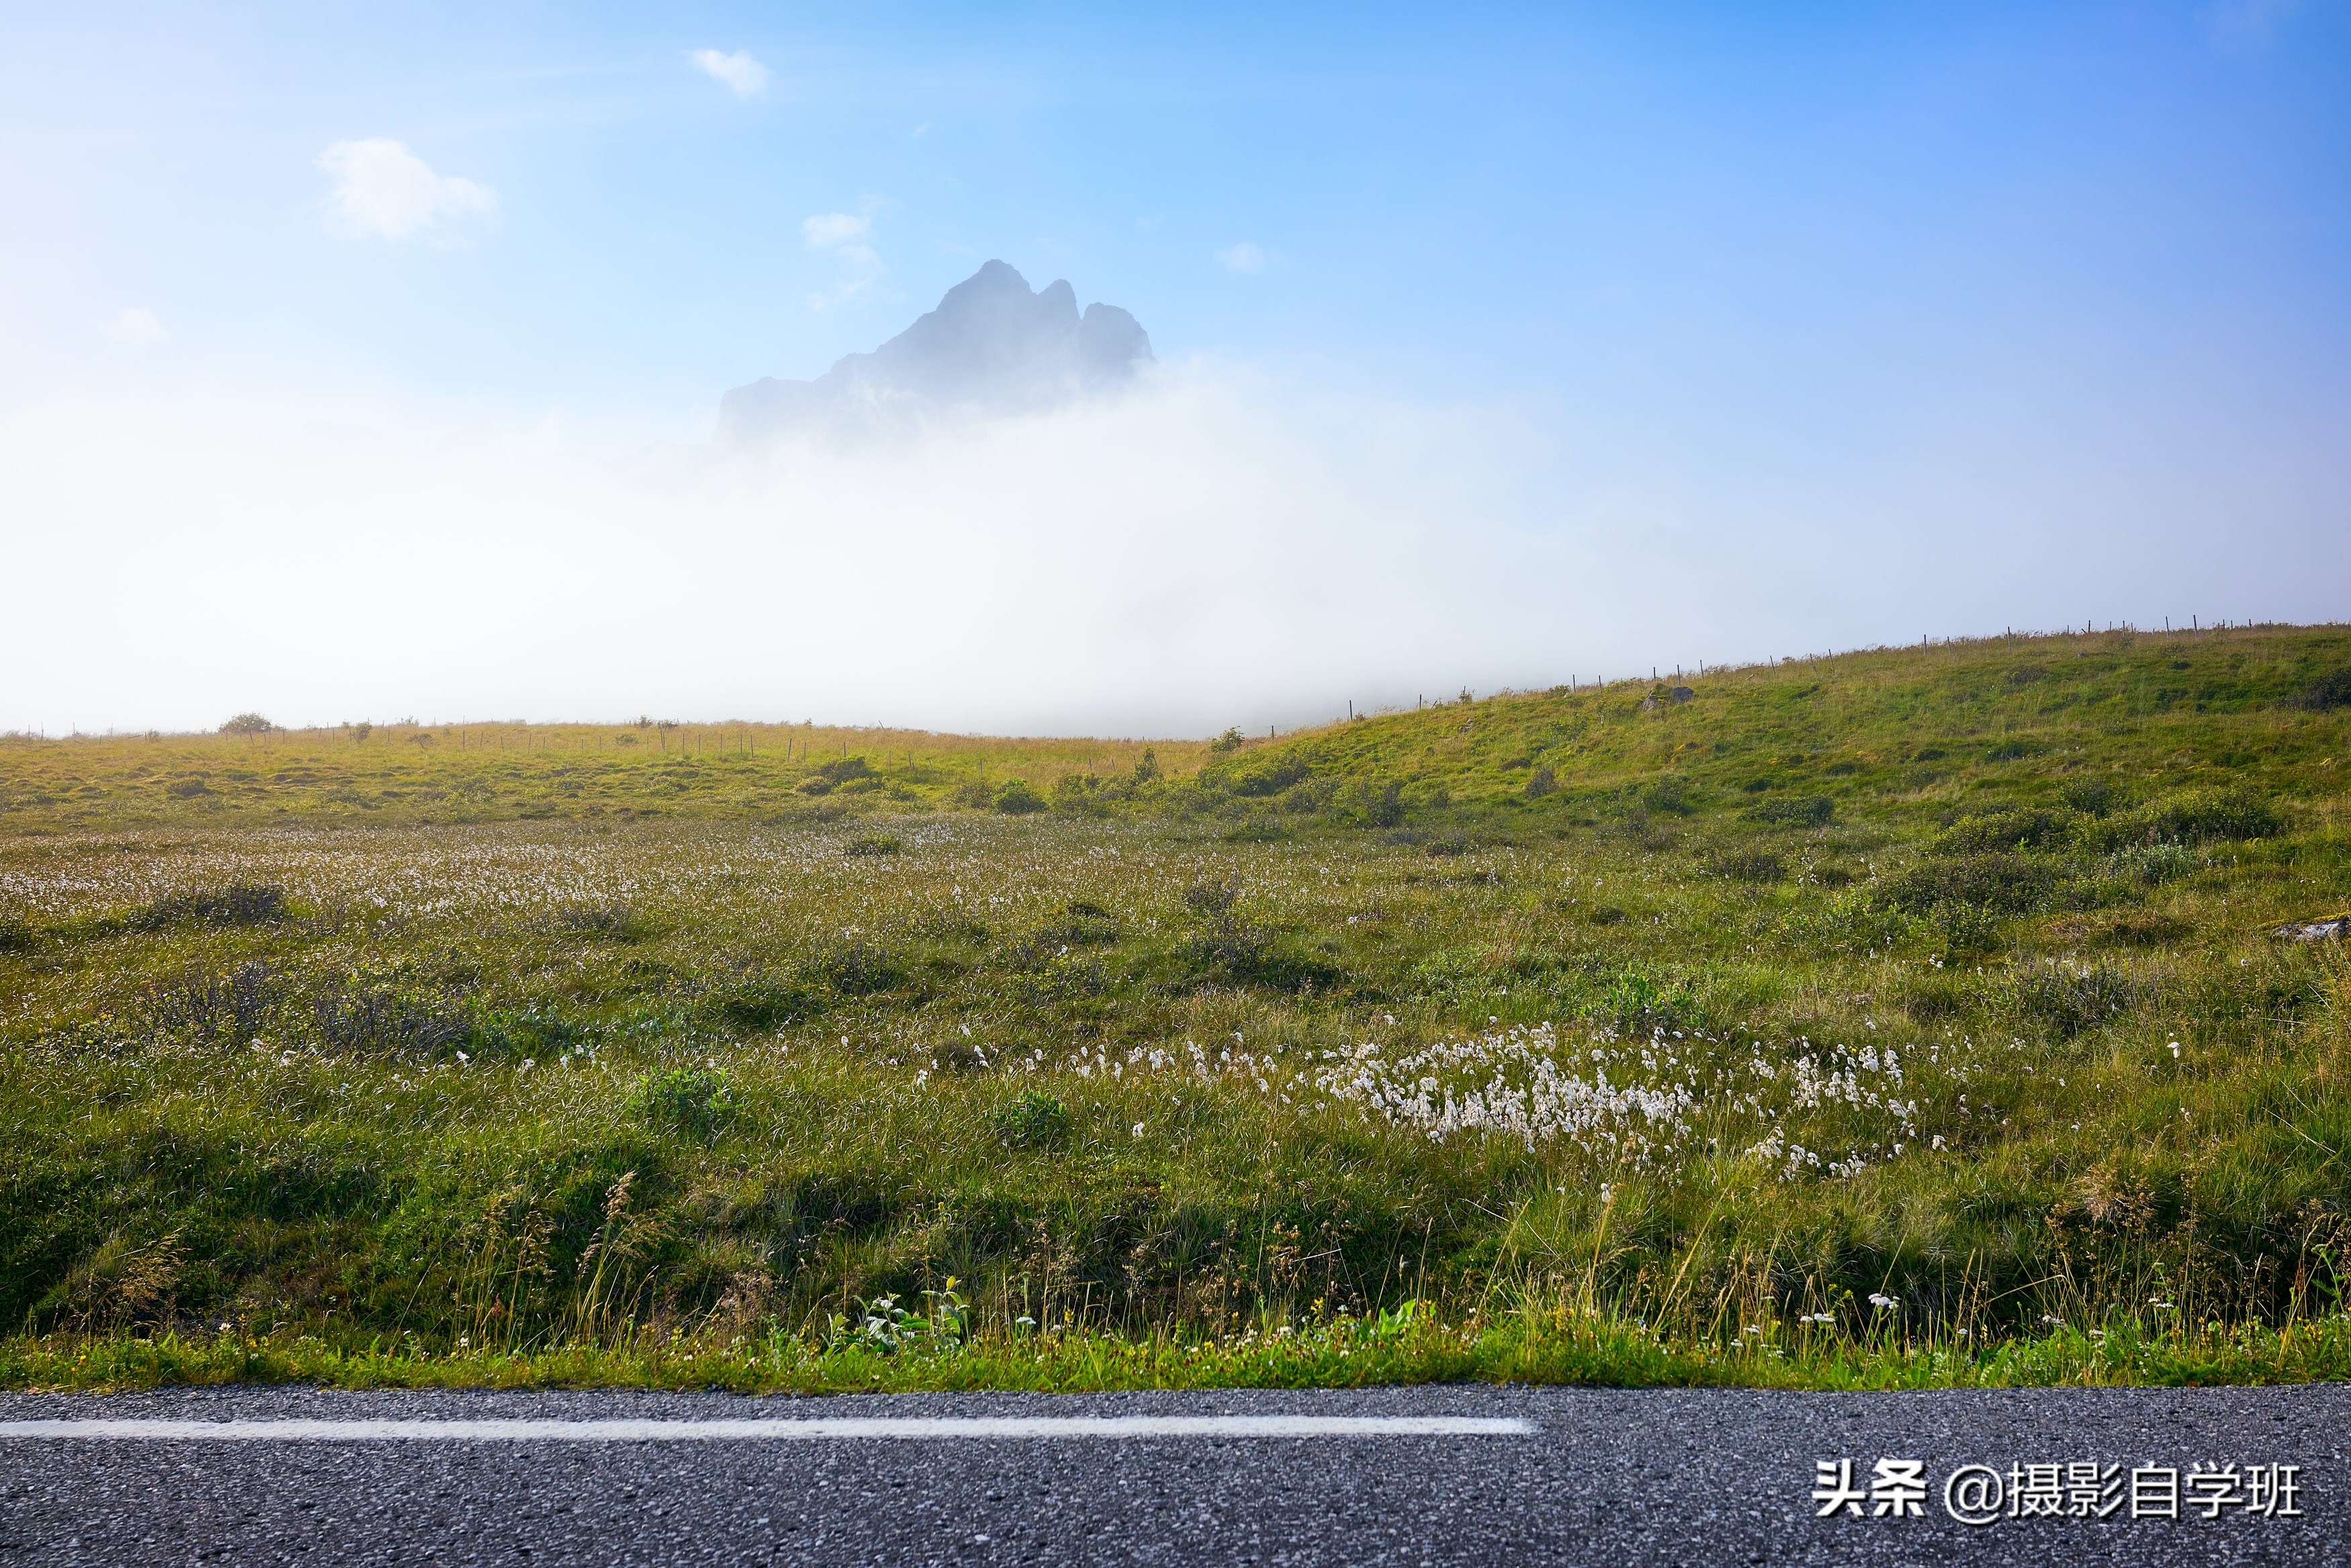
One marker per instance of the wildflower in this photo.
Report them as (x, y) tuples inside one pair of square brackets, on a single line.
[(1882, 1302), (2175, 1050), (1138, 1129)]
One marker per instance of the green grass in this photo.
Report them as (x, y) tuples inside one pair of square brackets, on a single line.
[(1639, 1040)]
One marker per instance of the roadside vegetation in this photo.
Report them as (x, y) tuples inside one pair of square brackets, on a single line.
[(1963, 1013)]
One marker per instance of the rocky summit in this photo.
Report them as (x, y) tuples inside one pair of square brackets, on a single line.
[(993, 345)]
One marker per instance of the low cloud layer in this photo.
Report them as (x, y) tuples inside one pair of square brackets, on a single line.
[(1208, 548), (1180, 559)]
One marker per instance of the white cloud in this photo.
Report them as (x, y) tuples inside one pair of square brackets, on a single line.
[(135, 327), (1242, 257), (382, 190), (746, 76), (848, 238), (841, 234)]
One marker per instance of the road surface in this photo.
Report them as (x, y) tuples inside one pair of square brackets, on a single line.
[(1409, 1477)]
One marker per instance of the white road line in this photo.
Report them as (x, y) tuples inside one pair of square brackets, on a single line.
[(816, 1429)]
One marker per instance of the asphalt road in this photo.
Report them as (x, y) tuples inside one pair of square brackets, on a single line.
[(1591, 1477)]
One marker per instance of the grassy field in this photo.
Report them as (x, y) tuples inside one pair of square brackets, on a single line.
[(1902, 1017)]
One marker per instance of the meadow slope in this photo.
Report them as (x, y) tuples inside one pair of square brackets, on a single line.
[(1753, 1024)]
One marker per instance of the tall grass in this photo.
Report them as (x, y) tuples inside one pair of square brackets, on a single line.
[(1881, 1018)]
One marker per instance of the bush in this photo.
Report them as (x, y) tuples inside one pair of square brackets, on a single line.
[(1018, 799), (1210, 898), (18, 936), (858, 968), (2067, 1001), (2328, 692), (1747, 866), (2152, 865), (1270, 775), (385, 1017), (2031, 829), (1670, 794), (694, 1100), (874, 843), (1379, 805), (2097, 796), (1034, 1120), (605, 922), (1794, 811), (247, 724), (2203, 816), (235, 1005), (1541, 782), (1999, 884), (238, 904)]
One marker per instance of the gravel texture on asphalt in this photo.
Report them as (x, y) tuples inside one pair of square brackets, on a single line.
[(1701, 1478)]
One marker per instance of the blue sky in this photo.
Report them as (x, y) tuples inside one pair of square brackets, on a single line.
[(2016, 314)]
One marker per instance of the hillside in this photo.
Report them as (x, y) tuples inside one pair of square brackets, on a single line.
[(1891, 732), (1907, 1002)]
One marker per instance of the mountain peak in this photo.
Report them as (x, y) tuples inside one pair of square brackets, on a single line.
[(993, 345)]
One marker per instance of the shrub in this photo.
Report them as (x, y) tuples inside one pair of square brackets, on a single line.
[(2067, 1000), (695, 1100), (1669, 794), (1793, 811), (605, 922), (1018, 799), (2203, 816), (1636, 1004), (2328, 692), (2001, 883), (247, 724), (1228, 946), (18, 936), (1034, 1120), (2152, 865), (2032, 828), (1379, 805), (858, 968), (2099, 794), (1270, 775), (236, 1004), (841, 770), (1747, 866), (1963, 930), (874, 843), (1541, 782), (1210, 898), (1230, 741), (238, 904), (357, 1015)]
